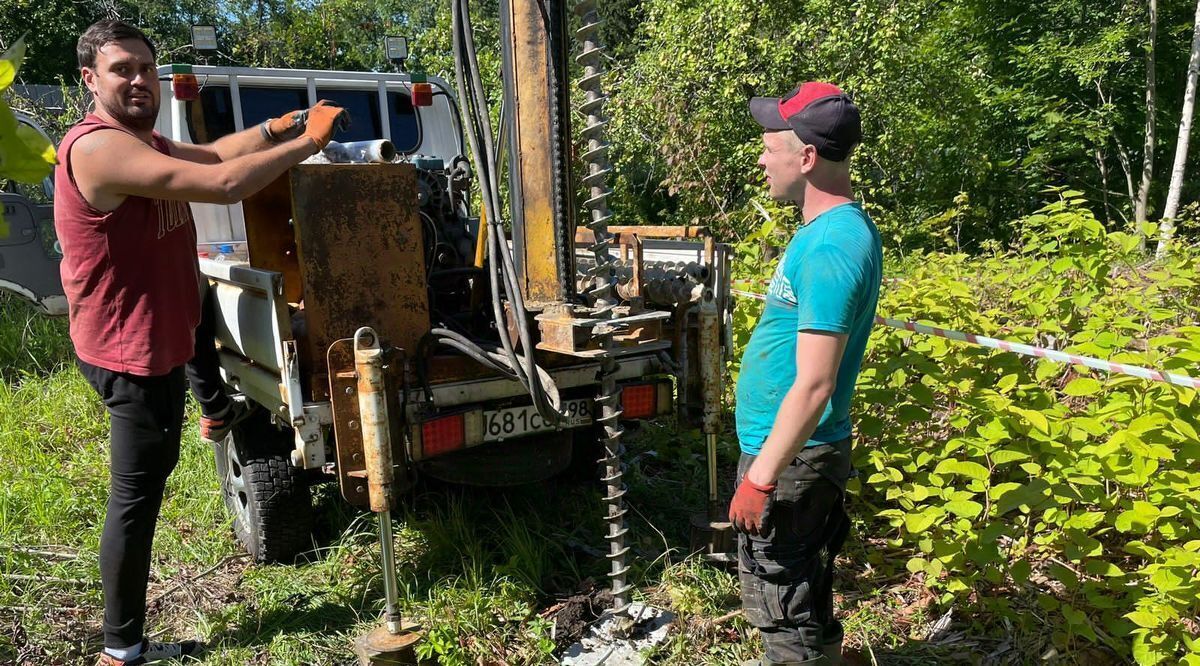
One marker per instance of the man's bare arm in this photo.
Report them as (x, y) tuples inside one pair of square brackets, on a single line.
[(228, 147), (818, 356), (110, 165)]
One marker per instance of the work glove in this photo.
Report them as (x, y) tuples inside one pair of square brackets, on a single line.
[(323, 119), (750, 506), (289, 125)]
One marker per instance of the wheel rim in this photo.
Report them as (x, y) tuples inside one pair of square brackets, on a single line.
[(235, 481)]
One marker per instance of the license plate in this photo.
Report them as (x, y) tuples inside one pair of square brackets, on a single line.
[(517, 421)]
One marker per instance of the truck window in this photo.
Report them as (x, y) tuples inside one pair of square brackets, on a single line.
[(363, 106), (258, 104), (406, 130), (215, 108)]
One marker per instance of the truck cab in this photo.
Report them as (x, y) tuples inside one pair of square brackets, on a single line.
[(231, 99)]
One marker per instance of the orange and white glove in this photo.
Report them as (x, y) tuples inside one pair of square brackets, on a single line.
[(323, 120), (750, 505), (289, 125)]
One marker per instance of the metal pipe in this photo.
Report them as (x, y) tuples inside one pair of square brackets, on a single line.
[(710, 440), (710, 362), (390, 593), (373, 415), (377, 449), (710, 382), (356, 152), (682, 312)]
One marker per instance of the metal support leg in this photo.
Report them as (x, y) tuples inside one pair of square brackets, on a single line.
[(392, 643), (392, 612)]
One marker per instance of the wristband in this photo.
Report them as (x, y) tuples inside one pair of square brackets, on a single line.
[(266, 132)]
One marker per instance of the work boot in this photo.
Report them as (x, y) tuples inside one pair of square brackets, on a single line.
[(833, 654), (214, 429), (821, 660), (154, 652)]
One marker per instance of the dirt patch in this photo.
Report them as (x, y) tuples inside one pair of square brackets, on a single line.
[(572, 616), (172, 604)]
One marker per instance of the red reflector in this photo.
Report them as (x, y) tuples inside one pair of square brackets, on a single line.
[(638, 401), (422, 94), (442, 435), (185, 86)]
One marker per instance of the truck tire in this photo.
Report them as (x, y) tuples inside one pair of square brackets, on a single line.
[(267, 496)]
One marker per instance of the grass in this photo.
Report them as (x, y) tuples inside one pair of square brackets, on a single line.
[(484, 572)]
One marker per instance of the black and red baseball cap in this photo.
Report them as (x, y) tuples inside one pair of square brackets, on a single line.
[(819, 113)]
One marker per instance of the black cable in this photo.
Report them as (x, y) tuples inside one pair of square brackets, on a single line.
[(533, 378), (508, 270)]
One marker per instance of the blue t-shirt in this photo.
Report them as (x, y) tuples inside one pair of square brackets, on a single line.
[(827, 280)]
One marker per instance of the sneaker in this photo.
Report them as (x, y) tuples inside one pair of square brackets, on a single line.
[(214, 429), (154, 653)]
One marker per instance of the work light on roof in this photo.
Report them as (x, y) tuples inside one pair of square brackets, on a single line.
[(204, 38), (397, 49)]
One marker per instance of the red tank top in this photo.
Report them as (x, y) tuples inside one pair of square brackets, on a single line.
[(130, 274)]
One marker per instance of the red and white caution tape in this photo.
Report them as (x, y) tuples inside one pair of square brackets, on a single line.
[(1027, 350)]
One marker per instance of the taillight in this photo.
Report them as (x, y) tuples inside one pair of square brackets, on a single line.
[(183, 83), (639, 401), (422, 94), (443, 435)]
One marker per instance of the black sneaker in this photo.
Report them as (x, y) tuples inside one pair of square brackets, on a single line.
[(214, 429)]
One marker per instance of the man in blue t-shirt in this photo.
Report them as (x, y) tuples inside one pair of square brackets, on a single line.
[(797, 378)]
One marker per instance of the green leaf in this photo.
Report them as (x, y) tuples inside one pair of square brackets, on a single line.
[(10, 63), (1030, 495), (1034, 418), (993, 431), (1020, 570), (1006, 456), (1102, 568), (1006, 383), (964, 508), (973, 470), (1081, 386), (25, 155), (919, 522), (1144, 619), (1140, 518)]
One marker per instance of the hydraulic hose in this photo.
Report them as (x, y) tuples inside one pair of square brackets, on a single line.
[(503, 278)]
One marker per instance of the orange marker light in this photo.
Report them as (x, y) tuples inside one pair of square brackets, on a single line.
[(422, 94), (185, 87)]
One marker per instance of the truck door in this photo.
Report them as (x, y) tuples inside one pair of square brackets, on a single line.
[(29, 258)]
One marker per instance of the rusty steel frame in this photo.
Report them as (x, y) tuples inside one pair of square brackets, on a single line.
[(361, 258), (534, 61)]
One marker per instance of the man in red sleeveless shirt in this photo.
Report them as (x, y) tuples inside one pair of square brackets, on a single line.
[(130, 275)]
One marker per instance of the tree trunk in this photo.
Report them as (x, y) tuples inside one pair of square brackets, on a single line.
[(1166, 228), (1102, 165), (1123, 160), (1139, 210)]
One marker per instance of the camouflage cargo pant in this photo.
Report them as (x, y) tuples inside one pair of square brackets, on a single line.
[(786, 573)]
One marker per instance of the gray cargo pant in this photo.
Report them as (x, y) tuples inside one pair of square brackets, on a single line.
[(786, 573)]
